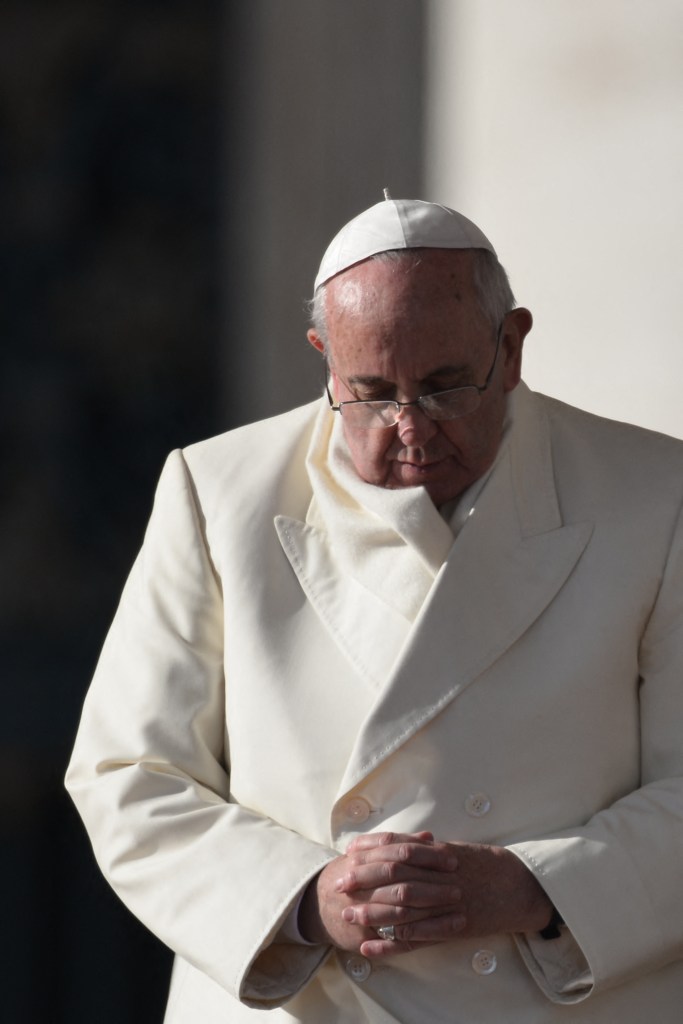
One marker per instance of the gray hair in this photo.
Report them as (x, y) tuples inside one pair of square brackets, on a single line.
[(490, 280)]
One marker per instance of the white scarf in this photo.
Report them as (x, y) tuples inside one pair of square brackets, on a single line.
[(392, 542)]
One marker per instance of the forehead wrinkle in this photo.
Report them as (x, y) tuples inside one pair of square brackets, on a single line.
[(388, 293), (390, 326), (367, 378)]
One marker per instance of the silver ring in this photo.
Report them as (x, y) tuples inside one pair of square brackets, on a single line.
[(387, 932)]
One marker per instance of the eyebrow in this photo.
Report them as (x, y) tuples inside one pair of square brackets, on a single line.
[(440, 371)]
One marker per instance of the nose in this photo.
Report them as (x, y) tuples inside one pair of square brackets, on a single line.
[(414, 427)]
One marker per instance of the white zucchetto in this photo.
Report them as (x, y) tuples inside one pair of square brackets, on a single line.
[(399, 224)]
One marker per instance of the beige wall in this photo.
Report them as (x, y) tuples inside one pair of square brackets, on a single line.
[(558, 126)]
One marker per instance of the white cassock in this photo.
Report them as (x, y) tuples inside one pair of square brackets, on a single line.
[(300, 657)]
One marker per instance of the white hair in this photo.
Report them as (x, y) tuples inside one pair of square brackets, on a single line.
[(490, 280)]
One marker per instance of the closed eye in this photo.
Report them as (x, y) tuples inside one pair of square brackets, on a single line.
[(458, 380), (372, 390)]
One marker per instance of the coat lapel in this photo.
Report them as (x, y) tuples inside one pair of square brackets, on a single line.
[(508, 563), (368, 631), (365, 557)]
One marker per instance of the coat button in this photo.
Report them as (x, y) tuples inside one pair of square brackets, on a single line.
[(477, 805), (358, 968), (357, 810), (484, 961)]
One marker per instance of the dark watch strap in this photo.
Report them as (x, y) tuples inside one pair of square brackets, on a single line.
[(552, 929)]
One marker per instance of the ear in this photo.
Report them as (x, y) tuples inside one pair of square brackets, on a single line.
[(315, 340), (518, 323)]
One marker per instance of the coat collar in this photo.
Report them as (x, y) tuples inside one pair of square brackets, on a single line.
[(510, 559)]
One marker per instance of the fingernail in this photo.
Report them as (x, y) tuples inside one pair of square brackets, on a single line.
[(348, 915)]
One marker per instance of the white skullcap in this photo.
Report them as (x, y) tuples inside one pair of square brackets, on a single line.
[(399, 224)]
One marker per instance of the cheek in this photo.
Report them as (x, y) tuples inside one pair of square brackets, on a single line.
[(474, 437), (369, 451), (462, 434)]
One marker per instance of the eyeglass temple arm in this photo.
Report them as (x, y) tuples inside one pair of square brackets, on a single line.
[(333, 407)]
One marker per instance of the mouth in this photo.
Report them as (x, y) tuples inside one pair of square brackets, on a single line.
[(416, 458), (414, 468), (414, 455)]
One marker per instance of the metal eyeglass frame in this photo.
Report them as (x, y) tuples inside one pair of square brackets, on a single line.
[(422, 399)]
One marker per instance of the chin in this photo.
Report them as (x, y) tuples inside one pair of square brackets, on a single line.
[(442, 495), (448, 488)]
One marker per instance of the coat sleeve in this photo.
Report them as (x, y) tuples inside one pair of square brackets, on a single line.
[(618, 880), (150, 774)]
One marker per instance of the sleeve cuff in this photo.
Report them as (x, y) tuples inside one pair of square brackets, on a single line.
[(559, 967)]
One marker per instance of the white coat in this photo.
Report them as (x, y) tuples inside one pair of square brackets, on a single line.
[(237, 734)]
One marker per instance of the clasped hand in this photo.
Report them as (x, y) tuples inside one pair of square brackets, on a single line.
[(429, 891)]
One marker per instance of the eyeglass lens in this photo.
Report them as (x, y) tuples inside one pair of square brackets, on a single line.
[(444, 405)]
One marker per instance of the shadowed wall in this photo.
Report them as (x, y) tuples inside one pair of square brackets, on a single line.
[(170, 174)]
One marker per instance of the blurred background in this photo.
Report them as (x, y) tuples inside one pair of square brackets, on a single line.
[(171, 174)]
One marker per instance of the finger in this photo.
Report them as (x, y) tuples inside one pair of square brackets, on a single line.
[(416, 935), (439, 928), (378, 914), (436, 856), (378, 948), (382, 874), (369, 840), (415, 895)]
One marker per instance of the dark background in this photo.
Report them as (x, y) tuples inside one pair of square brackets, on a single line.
[(112, 153), (170, 173)]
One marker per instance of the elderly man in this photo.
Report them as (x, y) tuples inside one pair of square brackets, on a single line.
[(387, 728)]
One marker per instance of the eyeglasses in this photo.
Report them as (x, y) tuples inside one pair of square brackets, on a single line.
[(441, 405)]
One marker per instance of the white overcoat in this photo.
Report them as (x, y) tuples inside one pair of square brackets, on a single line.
[(238, 732)]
